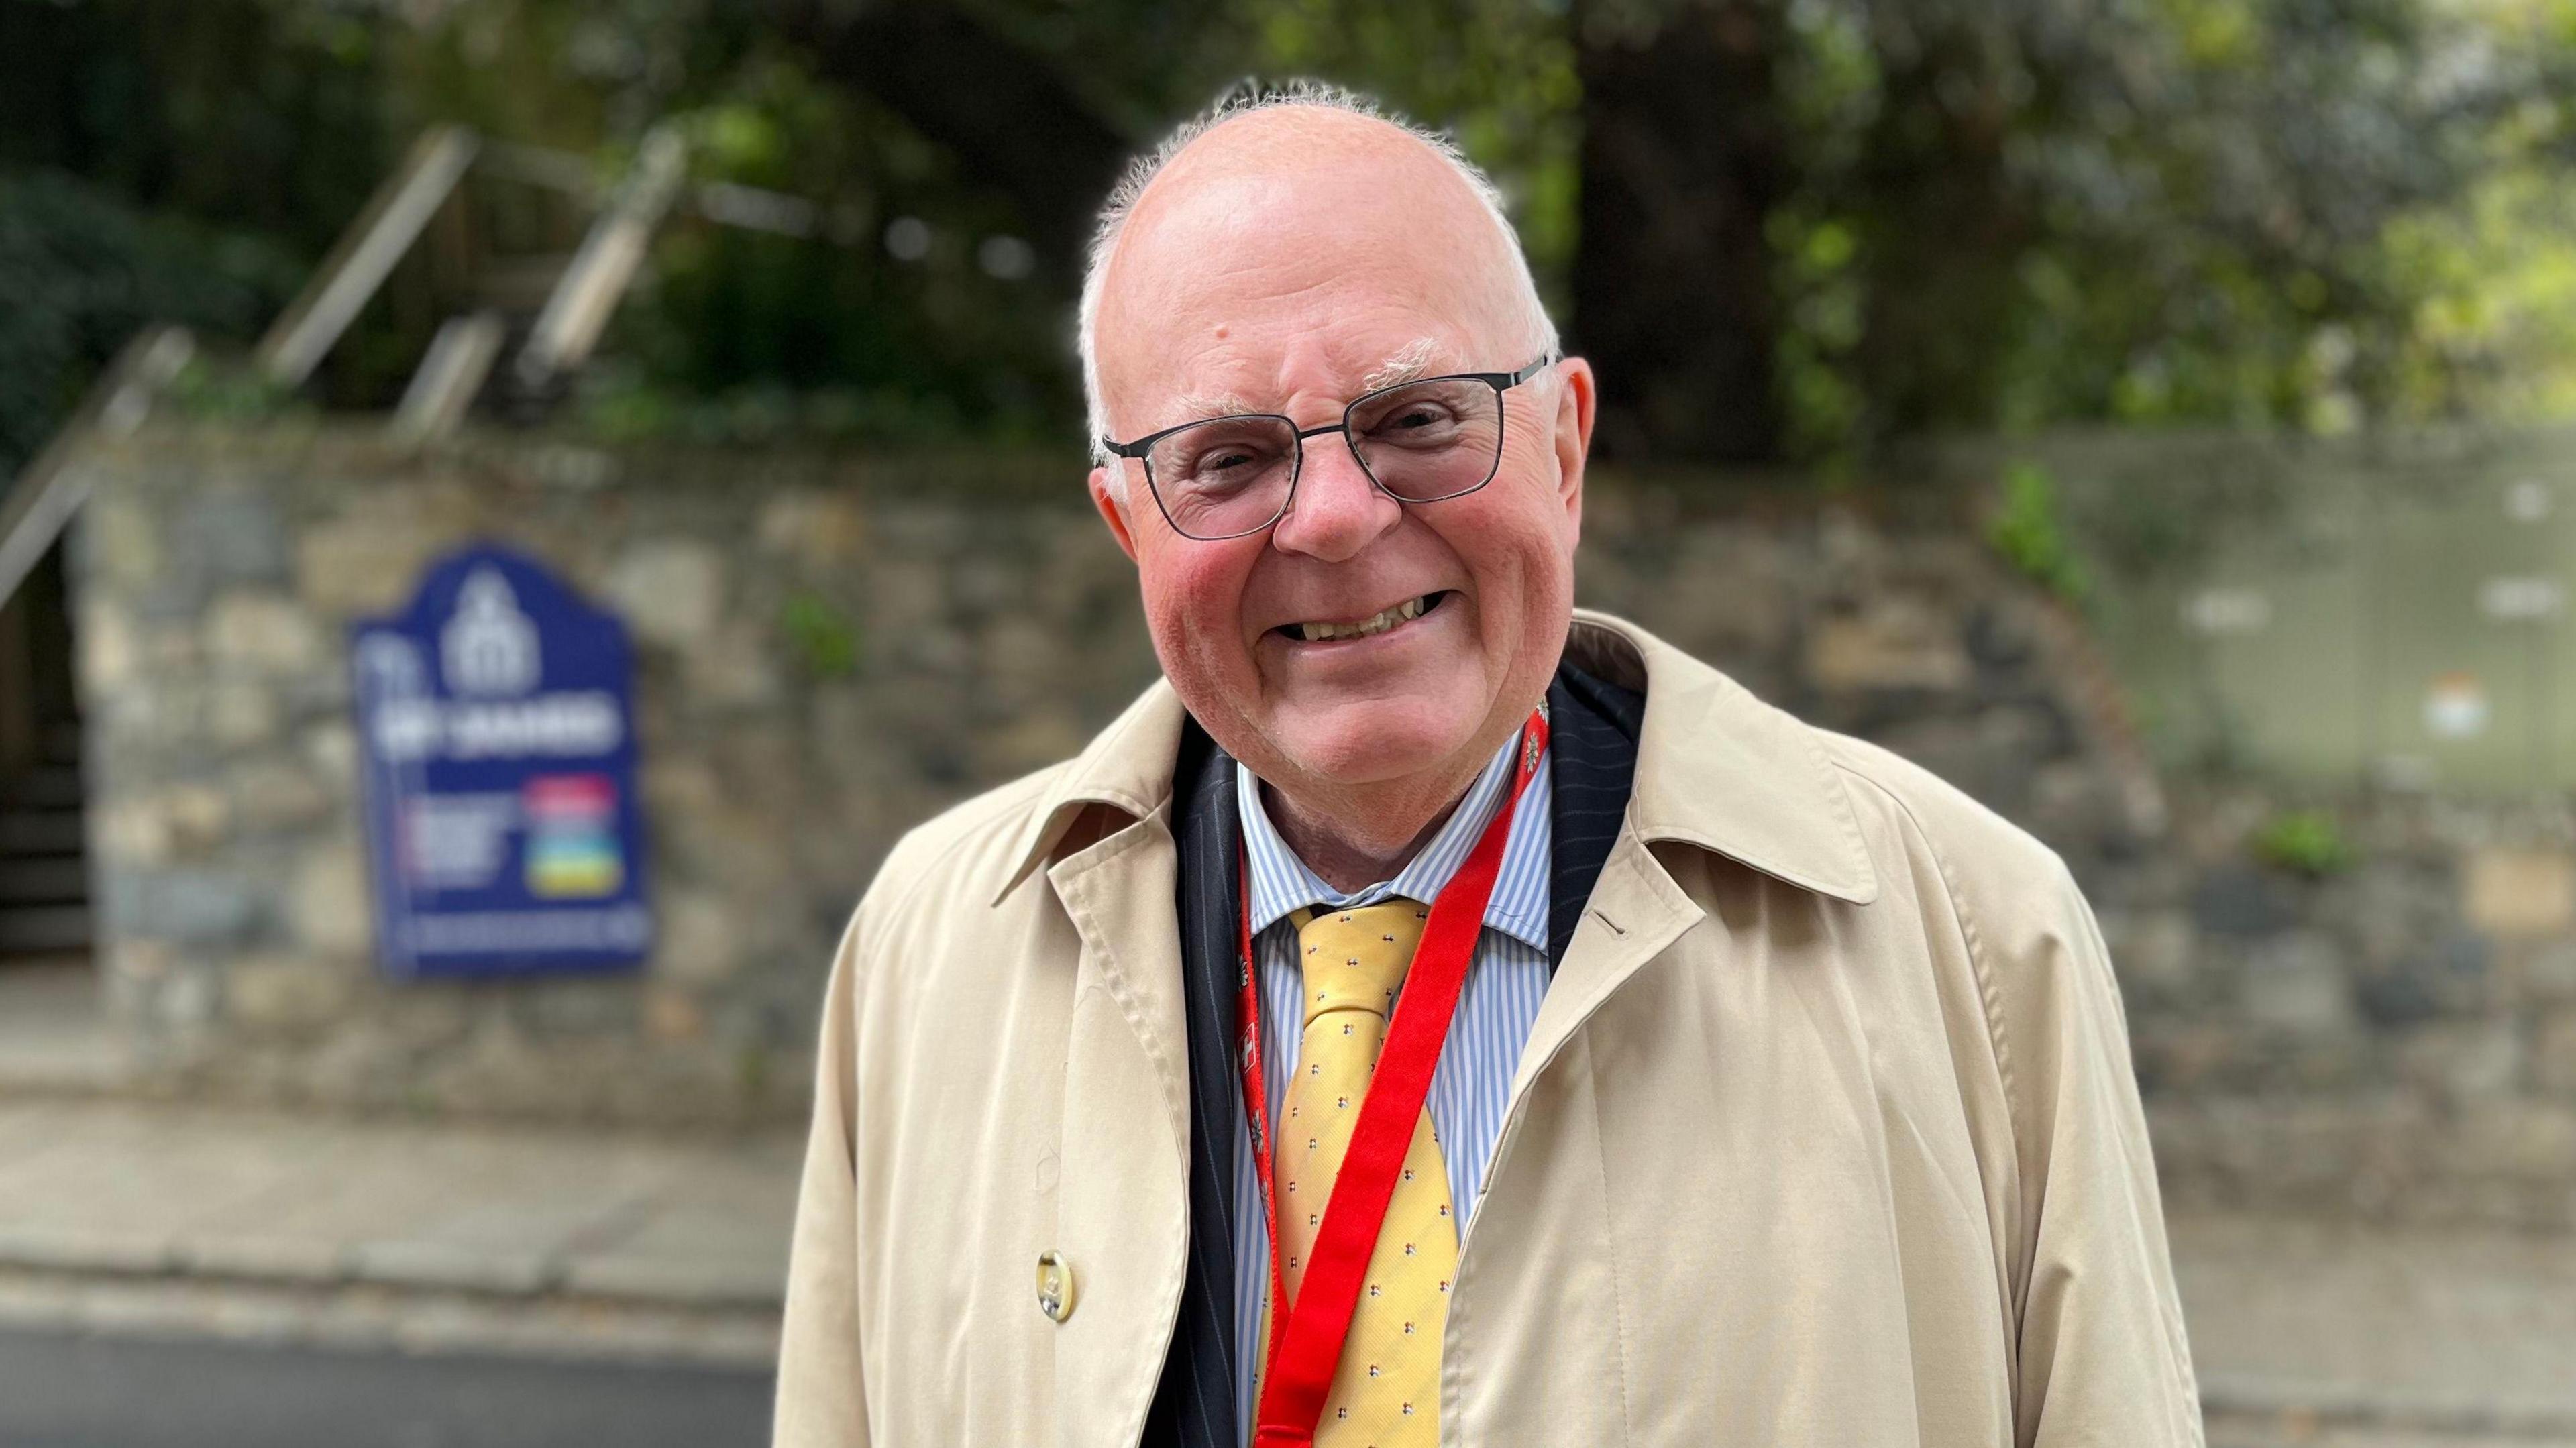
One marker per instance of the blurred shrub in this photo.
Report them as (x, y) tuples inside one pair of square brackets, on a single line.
[(823, 638), (2305, 842), (2027, 530), (620, 404), (83, 270), (228, 390)]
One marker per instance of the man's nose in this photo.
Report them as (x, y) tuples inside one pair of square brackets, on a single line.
[(1337, 511)]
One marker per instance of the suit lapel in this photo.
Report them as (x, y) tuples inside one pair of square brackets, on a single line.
[(1592, 766), (1194, 1402)]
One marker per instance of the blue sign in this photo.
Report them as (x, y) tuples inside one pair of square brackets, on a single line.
[(496, 731)]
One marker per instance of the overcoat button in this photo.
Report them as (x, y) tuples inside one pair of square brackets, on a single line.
[(1055, 1286)]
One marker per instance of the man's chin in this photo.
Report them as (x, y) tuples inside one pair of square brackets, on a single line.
[(1353, 747)]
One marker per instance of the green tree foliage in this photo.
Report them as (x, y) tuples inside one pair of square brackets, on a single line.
[(259, 116), (2017, 213), (960, 151), (167, 160), (1785, 229), (84, 270), (921, 309)]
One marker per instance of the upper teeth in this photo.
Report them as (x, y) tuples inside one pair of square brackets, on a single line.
[(1375, 624)]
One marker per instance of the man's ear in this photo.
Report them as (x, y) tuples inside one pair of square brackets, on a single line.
[(1113, 511), (1574, 409)]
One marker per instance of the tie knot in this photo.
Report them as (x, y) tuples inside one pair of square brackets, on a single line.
[(1356, 959)]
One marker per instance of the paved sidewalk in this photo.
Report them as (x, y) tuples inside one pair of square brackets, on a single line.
[(2345, 1336), (118, 1213), (119, 1216)]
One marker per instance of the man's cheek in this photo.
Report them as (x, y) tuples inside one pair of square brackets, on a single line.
[(1208, 599)]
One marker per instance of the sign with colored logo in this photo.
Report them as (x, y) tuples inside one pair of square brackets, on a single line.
[(496, 732)]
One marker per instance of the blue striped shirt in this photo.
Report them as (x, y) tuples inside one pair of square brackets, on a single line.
[(1505, 984)]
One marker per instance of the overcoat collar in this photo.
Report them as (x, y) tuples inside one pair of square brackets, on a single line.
[(1716, 768)]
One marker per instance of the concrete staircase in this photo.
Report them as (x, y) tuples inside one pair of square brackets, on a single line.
[(44, 868)]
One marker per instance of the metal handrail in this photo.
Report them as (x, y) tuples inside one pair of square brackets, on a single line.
[(50, 490), (727, 203), (396, 215), (591, 287)]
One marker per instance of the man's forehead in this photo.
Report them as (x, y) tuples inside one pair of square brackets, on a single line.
[(1251, 328), (1421, 357), (1278, 240), (1240, 249)]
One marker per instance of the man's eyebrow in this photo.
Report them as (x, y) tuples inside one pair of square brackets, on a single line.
[(1414, 360)]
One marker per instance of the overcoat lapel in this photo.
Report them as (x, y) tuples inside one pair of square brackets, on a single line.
[(1123, 1197), (1633, 906)]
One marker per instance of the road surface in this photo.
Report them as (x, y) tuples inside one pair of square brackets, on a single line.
[(82, 1391)]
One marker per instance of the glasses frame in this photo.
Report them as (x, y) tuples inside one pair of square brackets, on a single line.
[(1502, 382)]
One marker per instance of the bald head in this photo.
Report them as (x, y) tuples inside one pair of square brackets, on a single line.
[(1301, 219)]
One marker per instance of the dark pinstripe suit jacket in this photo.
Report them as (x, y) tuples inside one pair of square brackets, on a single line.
[(1594, 758)]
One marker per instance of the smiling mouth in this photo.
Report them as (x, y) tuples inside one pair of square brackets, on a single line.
[(1405, 612)]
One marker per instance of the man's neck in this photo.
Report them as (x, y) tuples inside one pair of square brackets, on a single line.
[(1354, 838)]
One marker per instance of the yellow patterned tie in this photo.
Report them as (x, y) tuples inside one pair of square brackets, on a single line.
[(1386, 1388)]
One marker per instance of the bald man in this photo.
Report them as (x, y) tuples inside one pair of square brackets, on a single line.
[(1433, 1014)]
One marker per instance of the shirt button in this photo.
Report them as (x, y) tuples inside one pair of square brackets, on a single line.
[(1055, 1286)]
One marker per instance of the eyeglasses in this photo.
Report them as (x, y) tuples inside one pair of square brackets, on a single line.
[(1419, 442)]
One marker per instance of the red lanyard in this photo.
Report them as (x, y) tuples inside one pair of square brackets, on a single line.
[(1306, 1338)]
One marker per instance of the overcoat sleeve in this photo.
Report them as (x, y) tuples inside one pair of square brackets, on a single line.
[(822, 1387), (2101, 1354)]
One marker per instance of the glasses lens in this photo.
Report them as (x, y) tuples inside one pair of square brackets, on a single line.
[(1224, 476), (1430, 439)]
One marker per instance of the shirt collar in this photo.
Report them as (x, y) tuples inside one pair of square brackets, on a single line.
[(1282, 883)]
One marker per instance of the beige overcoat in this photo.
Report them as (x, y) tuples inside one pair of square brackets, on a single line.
[(1826, 1133)]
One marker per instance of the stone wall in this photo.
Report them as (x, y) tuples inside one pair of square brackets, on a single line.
[(824, 655), (831, 649), (2381, 1024), (2394, 1037)]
